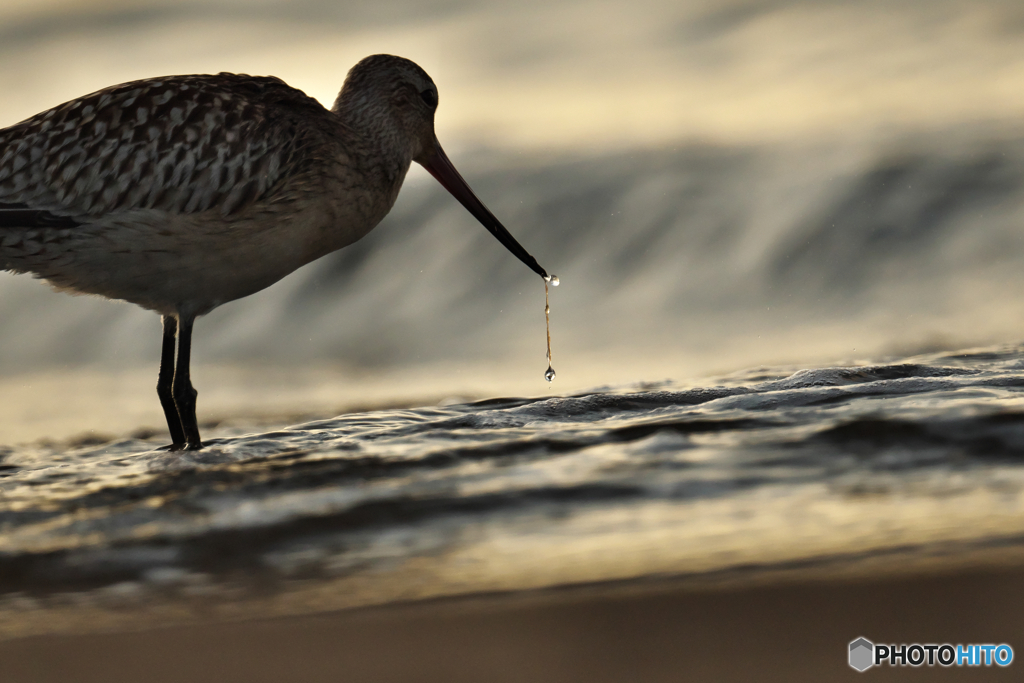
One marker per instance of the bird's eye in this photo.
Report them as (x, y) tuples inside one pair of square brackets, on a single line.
[(430, 97)]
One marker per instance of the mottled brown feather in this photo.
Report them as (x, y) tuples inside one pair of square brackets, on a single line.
[(180, 144)]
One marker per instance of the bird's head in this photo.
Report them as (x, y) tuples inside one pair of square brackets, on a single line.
[(393, 100)]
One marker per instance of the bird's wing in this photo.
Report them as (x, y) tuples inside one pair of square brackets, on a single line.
[(180, 144)]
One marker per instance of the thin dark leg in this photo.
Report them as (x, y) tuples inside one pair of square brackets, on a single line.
[(164, 383), (182, 390)]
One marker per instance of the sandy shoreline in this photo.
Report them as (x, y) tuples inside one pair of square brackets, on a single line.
[(641, 630)]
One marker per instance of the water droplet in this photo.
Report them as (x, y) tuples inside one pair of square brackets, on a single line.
[(550, 374), (553, 279)]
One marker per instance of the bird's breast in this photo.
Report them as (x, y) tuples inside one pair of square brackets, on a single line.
[(192, 263)]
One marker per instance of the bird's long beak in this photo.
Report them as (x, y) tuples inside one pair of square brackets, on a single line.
[(439, 166)]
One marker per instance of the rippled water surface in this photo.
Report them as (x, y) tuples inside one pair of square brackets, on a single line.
[(761, 468)]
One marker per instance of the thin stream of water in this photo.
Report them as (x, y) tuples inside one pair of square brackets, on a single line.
[(549, 374)]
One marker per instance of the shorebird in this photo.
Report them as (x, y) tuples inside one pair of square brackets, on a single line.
[(182, 193)]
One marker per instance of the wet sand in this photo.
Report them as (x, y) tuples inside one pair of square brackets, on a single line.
[(633, 631)]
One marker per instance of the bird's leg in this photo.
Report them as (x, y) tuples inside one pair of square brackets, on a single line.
[(164, 383), (182, 390)]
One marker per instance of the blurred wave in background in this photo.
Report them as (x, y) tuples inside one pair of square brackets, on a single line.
[(718, 185)]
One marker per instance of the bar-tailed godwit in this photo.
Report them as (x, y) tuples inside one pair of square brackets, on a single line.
[(182, 193)]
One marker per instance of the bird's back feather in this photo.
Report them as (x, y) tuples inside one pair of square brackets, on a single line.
[(180, 144)]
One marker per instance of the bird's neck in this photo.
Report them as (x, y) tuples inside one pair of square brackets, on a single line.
[(377, 137)]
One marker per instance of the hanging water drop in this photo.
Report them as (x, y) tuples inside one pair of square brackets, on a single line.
[(550, 373)]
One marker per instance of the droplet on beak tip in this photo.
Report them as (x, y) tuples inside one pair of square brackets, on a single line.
[(553, 279)]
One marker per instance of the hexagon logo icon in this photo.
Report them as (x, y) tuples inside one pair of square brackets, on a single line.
[(862, 654)]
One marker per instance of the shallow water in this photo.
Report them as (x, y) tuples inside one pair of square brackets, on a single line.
[(763, 468)]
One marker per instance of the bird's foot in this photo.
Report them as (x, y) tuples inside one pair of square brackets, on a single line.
[(182, 447)]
